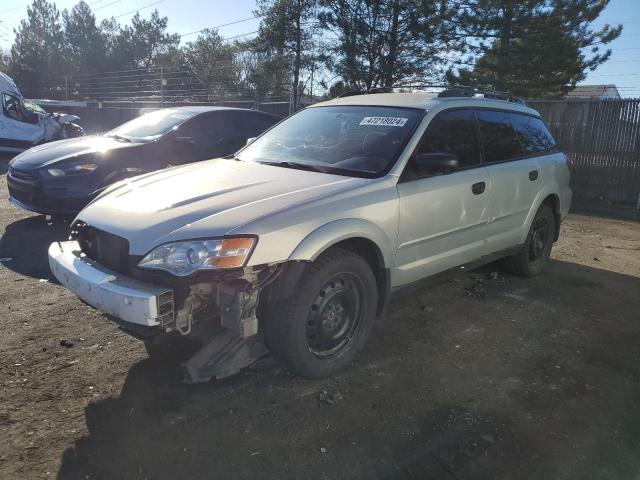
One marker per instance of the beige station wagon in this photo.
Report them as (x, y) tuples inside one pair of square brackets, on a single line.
[(296, 243)]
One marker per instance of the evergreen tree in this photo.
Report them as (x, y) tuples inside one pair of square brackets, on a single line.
[(37, 58), (211, 60), (142, 43), (383, 42), (532, 48), (85, 41), (285, 41)]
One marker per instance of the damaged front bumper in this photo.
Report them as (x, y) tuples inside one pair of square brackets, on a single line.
[(222, 315), (125, 298)]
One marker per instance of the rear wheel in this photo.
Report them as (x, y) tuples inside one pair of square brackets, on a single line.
[(534, 255), (319, 330)]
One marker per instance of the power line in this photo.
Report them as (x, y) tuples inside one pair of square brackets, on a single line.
[(107, 5), (15, 8), (140, 8), (220, 26)]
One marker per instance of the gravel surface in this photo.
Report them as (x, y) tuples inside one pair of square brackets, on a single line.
[(482, 376)]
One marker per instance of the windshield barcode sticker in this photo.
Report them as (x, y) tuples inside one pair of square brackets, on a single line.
[(384, 121)]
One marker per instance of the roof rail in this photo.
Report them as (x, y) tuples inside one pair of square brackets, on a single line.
[(448, 92), (351, 93), (464, 91)]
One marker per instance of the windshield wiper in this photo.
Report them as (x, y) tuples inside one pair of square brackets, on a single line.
[(118, 137), (299, 166)]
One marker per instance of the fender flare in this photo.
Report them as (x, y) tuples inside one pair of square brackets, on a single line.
[(336, 231)]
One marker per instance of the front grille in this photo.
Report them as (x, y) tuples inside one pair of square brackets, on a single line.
[(21, 175), (110, 251)]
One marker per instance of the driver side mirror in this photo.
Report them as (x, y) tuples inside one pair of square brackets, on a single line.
[(250, 140), (437, 163)]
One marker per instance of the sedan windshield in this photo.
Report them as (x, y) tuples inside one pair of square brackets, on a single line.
[(361, 141), (150, 126)]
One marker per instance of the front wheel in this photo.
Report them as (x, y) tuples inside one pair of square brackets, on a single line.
[(326, 321), (534, 255)]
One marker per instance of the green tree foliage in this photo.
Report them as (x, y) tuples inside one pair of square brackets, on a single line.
[(85, 41), (532, 48), (37, 53), (286, 44), (212, 61), (140, 44), (382, 42)]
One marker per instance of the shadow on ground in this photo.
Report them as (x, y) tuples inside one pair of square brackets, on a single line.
[(4, 162), (25, 242), (513, 378)]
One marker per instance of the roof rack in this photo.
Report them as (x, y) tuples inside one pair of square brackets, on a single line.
[(448, 92), (464, 91)]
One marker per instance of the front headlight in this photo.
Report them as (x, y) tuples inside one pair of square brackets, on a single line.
[(73, 169), (185, 258)]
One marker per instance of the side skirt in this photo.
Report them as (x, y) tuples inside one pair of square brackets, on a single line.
[(439, 277)]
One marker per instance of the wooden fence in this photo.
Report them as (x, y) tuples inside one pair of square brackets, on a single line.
[(602, 140)]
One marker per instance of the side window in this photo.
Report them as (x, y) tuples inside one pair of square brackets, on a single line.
[(452, 132), (209, 129), (533, 134), (499, 140)]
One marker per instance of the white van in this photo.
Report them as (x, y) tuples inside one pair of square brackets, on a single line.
[(24, 124)]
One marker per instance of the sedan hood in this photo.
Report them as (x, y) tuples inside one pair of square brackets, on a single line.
[(53, 152), (207, 199)]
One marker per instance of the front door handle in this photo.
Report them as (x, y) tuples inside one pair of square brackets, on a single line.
[(533, 175), (478, 188)]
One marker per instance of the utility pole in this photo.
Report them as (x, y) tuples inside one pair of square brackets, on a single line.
[(161, 86), (66, 87)]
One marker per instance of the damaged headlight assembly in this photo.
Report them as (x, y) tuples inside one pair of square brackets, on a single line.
[(187, 257)]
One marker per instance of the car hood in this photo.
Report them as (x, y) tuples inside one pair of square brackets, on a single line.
[(207, 199), (53, 152)]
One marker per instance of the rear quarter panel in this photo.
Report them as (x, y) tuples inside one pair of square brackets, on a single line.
[(556, 176)]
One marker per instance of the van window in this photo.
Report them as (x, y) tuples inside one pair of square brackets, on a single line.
[(499, 140), (12, 108), (532, 133)]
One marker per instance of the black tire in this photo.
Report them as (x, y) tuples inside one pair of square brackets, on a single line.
[(534, 255), (326, 321)]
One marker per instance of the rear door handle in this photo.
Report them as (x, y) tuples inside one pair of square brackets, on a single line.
[(478, 188), (533, 175)]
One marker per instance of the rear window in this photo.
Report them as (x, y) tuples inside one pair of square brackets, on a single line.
[(532, 133), (499, 139)]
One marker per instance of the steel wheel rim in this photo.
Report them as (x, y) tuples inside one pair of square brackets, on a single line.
[(539, 238), (335, 316)]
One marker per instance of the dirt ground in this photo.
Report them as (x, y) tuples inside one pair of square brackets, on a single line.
[(481, 376)]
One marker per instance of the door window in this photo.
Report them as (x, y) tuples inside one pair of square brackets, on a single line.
[(532, 133), (210, 129), (499, 140), (454, 132)]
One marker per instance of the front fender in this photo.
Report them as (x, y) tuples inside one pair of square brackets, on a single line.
[(334, 232)]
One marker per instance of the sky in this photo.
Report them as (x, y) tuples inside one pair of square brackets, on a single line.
[(185, 16)]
